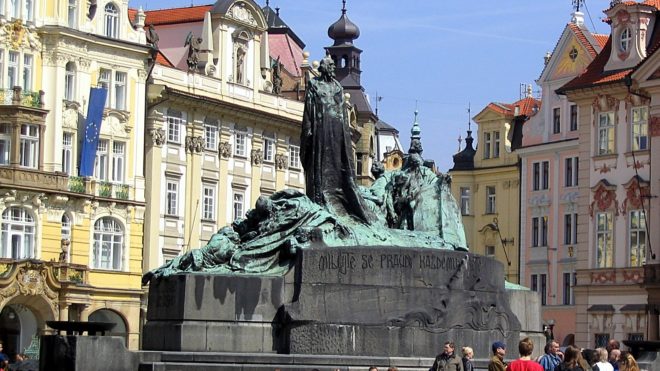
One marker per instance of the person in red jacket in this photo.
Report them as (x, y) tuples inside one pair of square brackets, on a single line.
[(525, 362)]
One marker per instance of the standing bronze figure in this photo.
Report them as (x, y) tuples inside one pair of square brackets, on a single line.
[(326, 147)]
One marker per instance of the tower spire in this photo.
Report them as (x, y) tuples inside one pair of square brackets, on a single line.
[(343, 7)]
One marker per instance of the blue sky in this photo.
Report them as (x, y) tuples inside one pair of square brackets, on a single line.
[(436, 55)]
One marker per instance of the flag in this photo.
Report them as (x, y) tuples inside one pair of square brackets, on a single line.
[(92, 129)]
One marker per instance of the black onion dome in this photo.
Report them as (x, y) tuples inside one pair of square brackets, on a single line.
[(343, 31)]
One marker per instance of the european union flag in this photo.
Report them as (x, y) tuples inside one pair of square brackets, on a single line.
[(92, 129)]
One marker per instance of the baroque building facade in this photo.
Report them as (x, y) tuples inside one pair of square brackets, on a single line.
[(616, 291), (71, 245), (549, 190)]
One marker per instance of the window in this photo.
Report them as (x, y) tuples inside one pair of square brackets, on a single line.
[(12, 70), (570, 229), (636, 336), (120, 91), (72, 14), (2, 64), (638, 238), (211, 137), (639, 135), (535, 232), (27, 72), (465, 201), (540, 175), (14, 8), (539, 231), (104, 82), (536, 176), (172, 197), (102, 160), (18, 231), (67, 153), (604, 240), (66, 227), (544, 289), (238, 205), (208, 210), (490, 250), (111, 20), (70, 81), (28, 14), (487, 145), (269, 150), (571, 172), (496, 144), (240, 144), (556, 120), (108, 244), (30, 146), (294, 156), (174, 123), (602, 340), (490, 200), (545, 175), (5, 144), (625, 39), (118, 161), (606, 133), (574, 117), (568, 289), (535, 283)]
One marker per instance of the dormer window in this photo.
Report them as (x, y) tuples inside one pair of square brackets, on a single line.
[(111, 20), (625, 39)]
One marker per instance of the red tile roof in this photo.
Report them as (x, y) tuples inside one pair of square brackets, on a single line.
[(290, 54), (579, 33), (177, 15), (525, 107), (601, 39), (162, 59)]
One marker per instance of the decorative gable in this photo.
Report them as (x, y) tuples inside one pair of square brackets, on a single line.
[(631, 25), (573, 60)]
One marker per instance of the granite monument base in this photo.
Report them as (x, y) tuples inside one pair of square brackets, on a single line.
[(351, 301)]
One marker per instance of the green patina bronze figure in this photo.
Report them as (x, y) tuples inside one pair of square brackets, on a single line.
[(410, 207)]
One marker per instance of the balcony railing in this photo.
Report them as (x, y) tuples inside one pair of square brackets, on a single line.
[(77, 274), (99, 188), (16, 96), (34, 179)]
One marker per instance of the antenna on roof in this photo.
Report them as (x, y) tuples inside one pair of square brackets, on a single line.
[(523, 90)]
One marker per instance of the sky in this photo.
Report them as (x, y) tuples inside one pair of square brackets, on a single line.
[(435, 56)]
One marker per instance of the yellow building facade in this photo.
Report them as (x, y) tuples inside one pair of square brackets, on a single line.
[(71, 246)]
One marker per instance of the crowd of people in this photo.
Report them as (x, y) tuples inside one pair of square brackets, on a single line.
[(610, 358)]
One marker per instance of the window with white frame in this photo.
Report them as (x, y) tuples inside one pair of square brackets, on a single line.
[(105, 77), (496, 144), (14, 9), (118, 161), (108, 249), (571, 171), (269, 150), (465, 200), (28, 10), (72, 17), (66, 227), (490, 200), (27, 72), (639, 134), (111, 20), (556, 120), (540, 175), (604, 240), (487, 145), (208, 209), (638, 238), (539, 231), (240, 143), (211, 136), (239, 200), (70, 81), (569, 293), (172, 197), (570, 229), (30, 146), (120, 91), (5, 144), (490, 250), (18, 233), (67, 153), (12, 70), (605, 133), (174, 126), (101, 162), (544, 289), (625, 39), (545, 175), (534, 282), (574, 117), (294, 156)]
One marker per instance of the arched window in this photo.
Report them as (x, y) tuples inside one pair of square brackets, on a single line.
[(17, 234), (108, 244), (111, 20), (70, 81)]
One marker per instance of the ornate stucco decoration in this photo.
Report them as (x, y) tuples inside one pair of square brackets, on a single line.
[(257, 156), (194, 144), (29, 278), (604, 198), (603, 103), (239, 13), (281, 161), (636, 190), (157, 136), (16, 35), (224, 148)]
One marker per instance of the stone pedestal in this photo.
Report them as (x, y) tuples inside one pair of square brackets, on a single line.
[(349, 301)]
